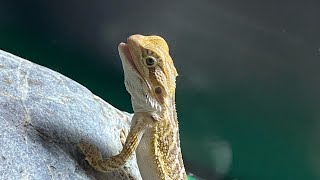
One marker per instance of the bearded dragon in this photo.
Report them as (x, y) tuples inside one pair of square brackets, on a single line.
[(150, 78)]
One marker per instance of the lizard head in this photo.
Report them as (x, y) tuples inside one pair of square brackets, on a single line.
[(149, 72)]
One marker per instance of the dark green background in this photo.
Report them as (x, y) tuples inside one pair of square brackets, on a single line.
[(249, 72)]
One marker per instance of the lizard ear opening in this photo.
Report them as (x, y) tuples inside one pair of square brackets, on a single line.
[(158, 90)]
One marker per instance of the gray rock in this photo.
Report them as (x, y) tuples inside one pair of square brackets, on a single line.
[(44, 115)]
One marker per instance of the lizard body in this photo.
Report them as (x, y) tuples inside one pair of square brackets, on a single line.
[(150, 79)]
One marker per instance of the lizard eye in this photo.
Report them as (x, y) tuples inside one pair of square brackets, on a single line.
[(150, 61)]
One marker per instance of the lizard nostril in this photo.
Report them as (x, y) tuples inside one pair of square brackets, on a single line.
[(158, 90)]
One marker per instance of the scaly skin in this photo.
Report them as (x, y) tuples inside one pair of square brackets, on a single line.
[(150, 79)]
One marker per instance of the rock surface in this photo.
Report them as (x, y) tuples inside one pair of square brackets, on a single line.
[(44, 115)]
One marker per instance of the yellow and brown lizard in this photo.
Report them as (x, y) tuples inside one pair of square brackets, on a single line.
[(150, 78)]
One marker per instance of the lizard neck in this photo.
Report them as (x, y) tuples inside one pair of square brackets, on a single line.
[(166, 146)]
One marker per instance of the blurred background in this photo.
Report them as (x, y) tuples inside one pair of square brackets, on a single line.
[(248, 87)]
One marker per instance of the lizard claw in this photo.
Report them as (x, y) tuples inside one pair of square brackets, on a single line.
[(91, 152)]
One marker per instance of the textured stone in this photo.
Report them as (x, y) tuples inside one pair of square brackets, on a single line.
[(44, 115)]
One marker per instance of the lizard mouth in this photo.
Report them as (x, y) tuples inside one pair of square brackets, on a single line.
[(125, 55)]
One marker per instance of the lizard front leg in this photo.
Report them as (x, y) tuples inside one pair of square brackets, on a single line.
[(140, 123)]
